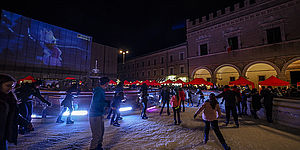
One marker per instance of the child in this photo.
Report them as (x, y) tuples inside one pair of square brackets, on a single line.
[(210, 117), (175, 103)]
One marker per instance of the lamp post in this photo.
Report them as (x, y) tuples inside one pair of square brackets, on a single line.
[(123, 52)]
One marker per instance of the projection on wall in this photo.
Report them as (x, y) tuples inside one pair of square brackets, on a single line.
[(31, 43)]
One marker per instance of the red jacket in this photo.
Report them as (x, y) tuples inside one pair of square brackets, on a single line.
[(175, 102), (182, 95)]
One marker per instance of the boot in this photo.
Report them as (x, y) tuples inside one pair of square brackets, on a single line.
[(69, 121), (175, 122), (116, 124), (58, 120), (226, 147)]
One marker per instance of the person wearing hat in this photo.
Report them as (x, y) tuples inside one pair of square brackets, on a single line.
[(24, 94), (96, 114)]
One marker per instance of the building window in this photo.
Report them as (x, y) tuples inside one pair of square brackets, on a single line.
[(161, 71), (171, 58), (137, 74), (233, 42), (171, 71), (154, 73), (274, 35), (162, 60), (181, 56), (154, 61), (261, 78), (149, 62), (143, 64), (181, 69), (149, 73), (137, 65), (143, 74), (232, 79), (203, 49)]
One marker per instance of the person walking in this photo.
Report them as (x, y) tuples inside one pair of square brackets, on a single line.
[(268, 96), (96, 114), (165, 96), (9, 113), (24, 94), (201, 96), (175, 103), (239, 100), (182, 97), (255, 104), (230, 104), (189, 97), (67, 103), (115, 106), (144, 96), (211, 107)]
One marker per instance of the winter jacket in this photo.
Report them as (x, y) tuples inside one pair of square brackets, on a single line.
[(165, 94), (117, 100), (182, 95), (98, 104), (256, 104), (67, 102), (10, 118), (24, 92), (175, 102), (229, 97), (209, 113)]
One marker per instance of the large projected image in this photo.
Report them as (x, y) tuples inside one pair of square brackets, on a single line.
[(24, 41)]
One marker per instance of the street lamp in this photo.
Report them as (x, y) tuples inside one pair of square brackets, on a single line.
[(123, 52)]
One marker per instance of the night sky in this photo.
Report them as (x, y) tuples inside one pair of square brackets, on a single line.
[(139, 26)]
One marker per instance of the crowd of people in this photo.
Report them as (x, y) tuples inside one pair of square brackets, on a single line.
[(16, 106)]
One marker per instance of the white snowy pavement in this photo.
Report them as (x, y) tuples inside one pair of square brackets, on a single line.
[(159, 132)]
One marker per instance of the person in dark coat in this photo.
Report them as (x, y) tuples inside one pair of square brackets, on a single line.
[(229, 97), (144, 96), (255, 104), (119, 88), (189, 97), (268, 96), (9, 113), (115, 106), (67, 103), (24, 94), (201, 96), (165, 96)]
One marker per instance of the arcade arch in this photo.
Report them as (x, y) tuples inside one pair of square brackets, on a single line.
[(225, 74), (259, 72), (202, 73), (292, 72)]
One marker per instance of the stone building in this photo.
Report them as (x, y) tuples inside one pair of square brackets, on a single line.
[(167, 63), (254, 39)]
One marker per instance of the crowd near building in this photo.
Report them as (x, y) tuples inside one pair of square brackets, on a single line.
[(254, 38)]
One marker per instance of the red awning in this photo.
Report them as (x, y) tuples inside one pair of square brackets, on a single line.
[(136, 82), (298, 83), (126, 82), (112, 82), (273, 81), (167, 82), (154, 83), (70, 78), (242, 81), (28, 78), (199, 81), (179, 81)]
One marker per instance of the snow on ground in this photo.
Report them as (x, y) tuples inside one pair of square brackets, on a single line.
[(159, 132)]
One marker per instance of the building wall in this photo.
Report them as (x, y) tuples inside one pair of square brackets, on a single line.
[(249, 24), (151, 70), (107, 60)]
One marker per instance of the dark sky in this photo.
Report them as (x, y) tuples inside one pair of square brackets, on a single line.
[(140, 26)]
